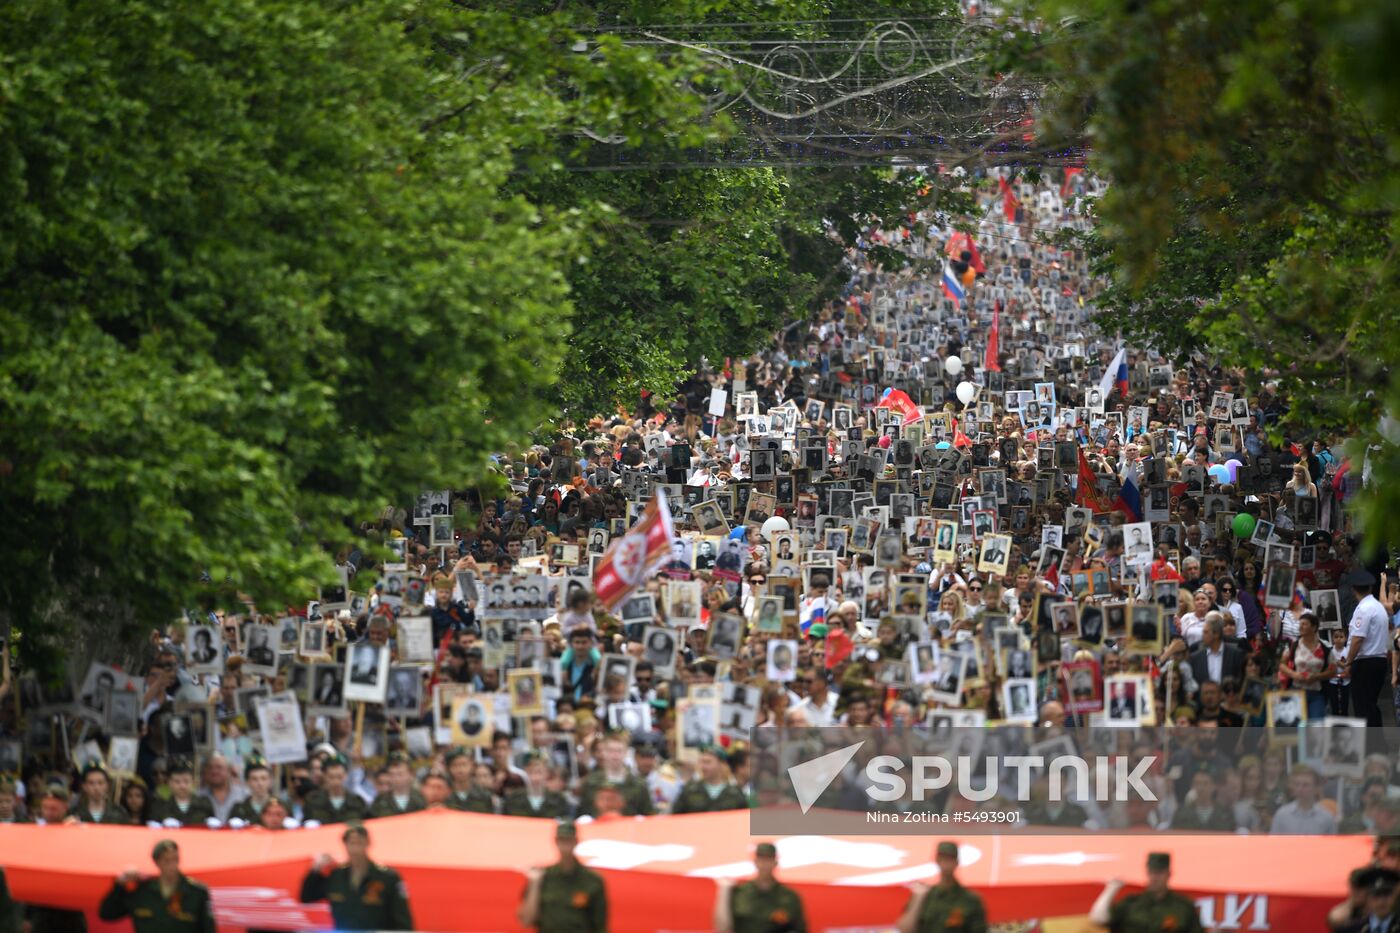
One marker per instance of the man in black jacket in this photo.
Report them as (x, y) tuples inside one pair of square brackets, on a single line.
[(1215, 660)]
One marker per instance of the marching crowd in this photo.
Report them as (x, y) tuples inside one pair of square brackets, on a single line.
[(944, 499)]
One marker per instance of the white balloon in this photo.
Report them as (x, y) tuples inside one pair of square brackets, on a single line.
[(953, 365), (966, 392), (775, 525)]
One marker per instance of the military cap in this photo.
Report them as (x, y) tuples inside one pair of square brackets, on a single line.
[(162, 847), (355, 829), (947, 849), (765, 850), (1159, 861), (566, 830), (1378, 880)]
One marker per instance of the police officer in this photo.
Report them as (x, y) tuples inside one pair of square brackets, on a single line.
[(946, 905), (1156, 908), (333, 802), (363, 895), (566, 897), (711, 790), (763, 905), (1368, 648), (167, 903)]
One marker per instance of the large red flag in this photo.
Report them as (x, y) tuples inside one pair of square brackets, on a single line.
[(900, 401), (993, 361), (1088, 492), (1009, 202), (631, 559)]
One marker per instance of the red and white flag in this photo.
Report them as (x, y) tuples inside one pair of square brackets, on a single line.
[(634, 557)]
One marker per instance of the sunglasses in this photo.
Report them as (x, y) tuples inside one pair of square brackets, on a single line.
[(975, 589)]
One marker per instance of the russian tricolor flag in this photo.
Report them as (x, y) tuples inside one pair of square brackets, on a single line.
[(1129, 500), (1116, 375), (814, 614), (952, 286)]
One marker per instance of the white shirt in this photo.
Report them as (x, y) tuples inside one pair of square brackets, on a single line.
[(1193, 628), (1292, 819), (1371, 624), (1214, 661), (819, 715)]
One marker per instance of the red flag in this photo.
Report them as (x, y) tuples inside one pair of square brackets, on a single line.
[(1088, 492), (1009, 203), (838, 646), (900, 401), (959, 438), (975, 261), (1069, 180), (993, 361), (634, 557)]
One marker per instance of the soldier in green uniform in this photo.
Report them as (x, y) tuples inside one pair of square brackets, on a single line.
[(95, 805), (183, 806), (401, 797), (535, 798), (566, 897), (763, 905), (465, 795), (711, 789), (257, 777), (1156, 908), (167, 903), (362, 895), (333, 802), (612, 769), (947, 905), (1204, 812)]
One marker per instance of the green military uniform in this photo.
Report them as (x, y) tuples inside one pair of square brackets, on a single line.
[(572, 901), (475, 800), (248, 810), (198, 813), (10, 912), (755, 910), (695, 797), (636, 798), (1139, 913), (952, 907), (319, 807), (386, 805), (379, 902), (189, 909), (554, 806), (1219, 819), (112, 815)]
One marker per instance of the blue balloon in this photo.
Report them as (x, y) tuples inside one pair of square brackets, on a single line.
[(740, 534), (1220, 473), (887, 392), (942, 445)]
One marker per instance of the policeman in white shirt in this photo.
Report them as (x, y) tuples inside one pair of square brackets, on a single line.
[(819, 704), (1368, 648)]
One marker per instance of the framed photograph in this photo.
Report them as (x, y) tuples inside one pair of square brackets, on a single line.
[(415, 642), (204, 652), (1145, 636), (404, 696), (123, 713), (781, 662), (1064, 616), (366, 673), (122, 753), (526, 692), (995, 555), (179, 736), (949, 676), (259, 653), (283, 729), (1083, 686), (725, 634), (441, 534), (768, 615), (1284, 712), (638, 609), (697, 725), (472, 722), (1137, 544), (444, 695), (246, 699), (1326, 607), (1278, 591), (945, 542), (1252, 696), (311, 641), (615, 665), (1126, 694), (923, 661), (1344, 746), (1018, 700), (660, 645), (327, 691), (635, 718), (287, 634)]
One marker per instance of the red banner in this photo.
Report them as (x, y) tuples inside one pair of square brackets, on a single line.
[(636, 555), (666, 866)]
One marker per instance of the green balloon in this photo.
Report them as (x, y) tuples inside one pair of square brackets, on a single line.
[(1243, 525)]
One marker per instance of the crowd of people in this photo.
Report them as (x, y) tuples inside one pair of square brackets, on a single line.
[(944, 499)]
